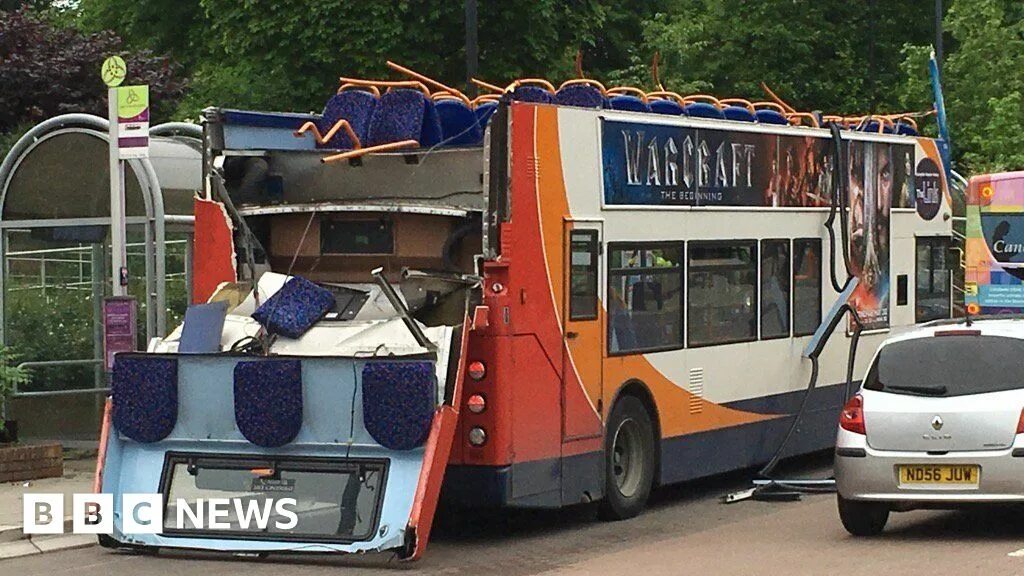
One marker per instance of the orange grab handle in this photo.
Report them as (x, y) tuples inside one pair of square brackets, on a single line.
[(364, 151), (771, 105), (585, 81), (485, 98), (664, 95), (702, 98), (628, 90), (741, 102), (531, 82), (369, 88), (387, 84)]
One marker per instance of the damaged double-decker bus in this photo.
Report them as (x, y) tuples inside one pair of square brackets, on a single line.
[(536, 298)]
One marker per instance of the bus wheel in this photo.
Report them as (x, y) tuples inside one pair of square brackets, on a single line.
[(629, 460)]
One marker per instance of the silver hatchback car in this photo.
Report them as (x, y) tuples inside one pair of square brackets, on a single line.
[(938, 423)]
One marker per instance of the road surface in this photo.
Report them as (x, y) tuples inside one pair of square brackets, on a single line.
[(685, 531)]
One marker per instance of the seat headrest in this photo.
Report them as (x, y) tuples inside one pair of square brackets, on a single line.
[(583, 95), (628, 103)]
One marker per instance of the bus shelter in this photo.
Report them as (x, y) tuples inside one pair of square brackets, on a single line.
[(55, 251)]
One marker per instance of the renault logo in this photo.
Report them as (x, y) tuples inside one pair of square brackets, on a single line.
[(937, 423)]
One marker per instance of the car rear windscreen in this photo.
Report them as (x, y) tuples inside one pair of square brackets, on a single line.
[(948, 365)]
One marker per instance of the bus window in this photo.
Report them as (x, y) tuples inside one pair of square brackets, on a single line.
[(583, 275), (931, 296), (774, 289), (806, 285), (722, 284), (645, 298)]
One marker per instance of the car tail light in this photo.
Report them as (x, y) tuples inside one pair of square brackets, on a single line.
[(477, 370), (852, 416), (1020, 423), (476, 404)]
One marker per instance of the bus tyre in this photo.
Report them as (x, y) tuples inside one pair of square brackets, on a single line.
[(629, 460), (863, 518)]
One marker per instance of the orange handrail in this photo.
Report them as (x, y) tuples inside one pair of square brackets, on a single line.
[(488, 86), (101, 453), (339, 125), (428, 80), (775, 97), (364, 151), (655, 74), (797, 118)]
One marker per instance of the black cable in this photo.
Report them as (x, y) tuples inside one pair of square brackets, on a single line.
[(768, 468), (834, 204)]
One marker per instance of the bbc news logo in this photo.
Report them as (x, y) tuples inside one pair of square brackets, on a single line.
[(144, 514)]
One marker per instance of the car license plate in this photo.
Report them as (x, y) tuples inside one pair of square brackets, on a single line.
[(939, 474)]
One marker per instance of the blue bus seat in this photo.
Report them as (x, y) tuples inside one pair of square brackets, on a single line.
[(580, 94), (483, 112), (628, 103), (404, 114), (144, 393), (534, 94), (666, 106), (703, 110), (459, 125), (399, 399), (355, 106), (738, 114), (268, 401), (906, 129), (765, 116)]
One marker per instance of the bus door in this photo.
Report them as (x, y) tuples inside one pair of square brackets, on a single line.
[(582, 322)]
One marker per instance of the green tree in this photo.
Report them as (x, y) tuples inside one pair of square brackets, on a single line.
[(840, 57), (983, 83), (288, 54), (47, 70)]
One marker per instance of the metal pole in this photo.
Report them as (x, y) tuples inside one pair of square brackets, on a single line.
[(99, 254), (938, 33), (118, 254), (189, 254), (472, 51)]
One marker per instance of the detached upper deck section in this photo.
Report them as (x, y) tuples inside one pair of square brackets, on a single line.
[(276, 162)]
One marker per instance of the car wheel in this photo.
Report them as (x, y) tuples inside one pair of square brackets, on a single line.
[(863, 518), (629, 460)]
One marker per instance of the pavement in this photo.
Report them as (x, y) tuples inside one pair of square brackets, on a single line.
[(686, 530), (79, 467)]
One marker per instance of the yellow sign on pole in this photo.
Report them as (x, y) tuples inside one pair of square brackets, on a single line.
[(113, 71)]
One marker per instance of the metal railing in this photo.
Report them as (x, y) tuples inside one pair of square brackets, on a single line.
[(69, 392)]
